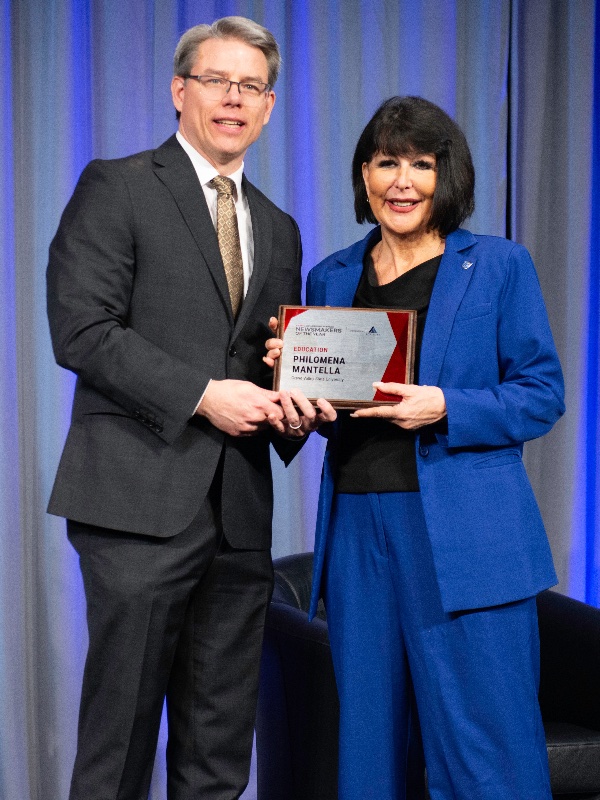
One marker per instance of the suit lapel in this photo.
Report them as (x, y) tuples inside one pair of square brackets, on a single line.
[(173, 167), (454, 274), (262, 234)]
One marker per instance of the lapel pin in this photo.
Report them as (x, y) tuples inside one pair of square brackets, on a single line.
[(466, 264)]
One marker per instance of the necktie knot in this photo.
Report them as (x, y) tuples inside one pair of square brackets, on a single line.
[(223, 185)]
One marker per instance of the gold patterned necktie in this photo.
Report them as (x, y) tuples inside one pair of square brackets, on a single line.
[(229, 239)]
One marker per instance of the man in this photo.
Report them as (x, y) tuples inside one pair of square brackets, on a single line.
[(159, 302)]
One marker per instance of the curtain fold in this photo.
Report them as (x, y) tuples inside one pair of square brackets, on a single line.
[(551, 162), (85, 79), (14, 746), (585, 552)]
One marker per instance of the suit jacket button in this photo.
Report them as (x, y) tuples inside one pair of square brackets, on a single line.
[(232, 351), (423, 451)]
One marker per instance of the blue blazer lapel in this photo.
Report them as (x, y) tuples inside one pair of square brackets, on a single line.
[(344, 275), (451, 283), (341, 290)]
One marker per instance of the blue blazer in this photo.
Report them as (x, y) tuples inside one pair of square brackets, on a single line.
[(488, 345)]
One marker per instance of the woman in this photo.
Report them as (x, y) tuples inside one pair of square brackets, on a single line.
[(429, 547)]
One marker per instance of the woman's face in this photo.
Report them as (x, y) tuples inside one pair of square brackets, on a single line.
[(400, 191)]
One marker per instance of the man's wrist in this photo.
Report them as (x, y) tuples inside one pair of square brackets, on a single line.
[(198, 410)]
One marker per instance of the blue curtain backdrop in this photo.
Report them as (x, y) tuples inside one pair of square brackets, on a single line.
[(90, 78)]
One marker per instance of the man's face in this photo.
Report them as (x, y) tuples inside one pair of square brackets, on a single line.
[(222, 130)]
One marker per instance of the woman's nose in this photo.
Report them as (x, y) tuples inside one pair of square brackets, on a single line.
[(403, 178)]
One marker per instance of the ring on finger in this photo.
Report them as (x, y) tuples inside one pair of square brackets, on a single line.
[(295, 427)]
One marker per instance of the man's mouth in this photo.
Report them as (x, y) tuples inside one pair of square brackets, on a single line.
[(229, 122)]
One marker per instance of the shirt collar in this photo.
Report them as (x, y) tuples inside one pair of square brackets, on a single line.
[(204, 169)]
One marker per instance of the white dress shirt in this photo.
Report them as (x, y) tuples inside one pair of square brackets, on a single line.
[(206, 172)]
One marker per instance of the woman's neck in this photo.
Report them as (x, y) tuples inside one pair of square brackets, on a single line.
[(395, 255)]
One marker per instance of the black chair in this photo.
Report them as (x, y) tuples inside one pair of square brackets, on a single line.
[(298, 710)]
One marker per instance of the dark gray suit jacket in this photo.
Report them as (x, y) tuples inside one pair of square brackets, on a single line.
[(139, 309)]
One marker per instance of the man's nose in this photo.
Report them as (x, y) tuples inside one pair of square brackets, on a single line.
[(233, 94)]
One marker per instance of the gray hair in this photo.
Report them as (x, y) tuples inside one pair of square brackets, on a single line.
[(246, 30)]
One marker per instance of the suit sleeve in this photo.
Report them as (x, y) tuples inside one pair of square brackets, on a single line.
[(287, 449), (90, 281), (529, 398)]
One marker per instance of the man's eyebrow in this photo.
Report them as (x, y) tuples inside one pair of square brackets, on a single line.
[(224, 74)]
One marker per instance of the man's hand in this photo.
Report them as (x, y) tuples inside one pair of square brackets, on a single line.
[(239, 408), (418, 406), (301, 417)]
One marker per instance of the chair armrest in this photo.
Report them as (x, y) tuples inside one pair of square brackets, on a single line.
[(570, 660), (293, 580), (298, 710)]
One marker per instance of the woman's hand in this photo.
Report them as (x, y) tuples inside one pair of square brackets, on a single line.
[(301, 417), (273, 345), (418, 406)]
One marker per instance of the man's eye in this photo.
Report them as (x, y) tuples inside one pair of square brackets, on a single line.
[(214, 81), (252, 88)]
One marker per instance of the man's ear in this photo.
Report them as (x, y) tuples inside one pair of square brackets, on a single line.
[(178, 91), (269, 106)]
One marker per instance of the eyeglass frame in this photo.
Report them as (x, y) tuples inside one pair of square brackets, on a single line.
[(264, 92)]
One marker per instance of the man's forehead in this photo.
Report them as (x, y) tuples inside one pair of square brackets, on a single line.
[(229, 52)]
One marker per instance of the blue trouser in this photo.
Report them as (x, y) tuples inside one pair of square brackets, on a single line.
[(475, 674)]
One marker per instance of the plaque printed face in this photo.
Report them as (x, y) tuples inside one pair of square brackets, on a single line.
[(337, 353)]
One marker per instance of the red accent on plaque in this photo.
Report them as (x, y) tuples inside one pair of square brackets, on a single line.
[(290, 313), (395, 372)]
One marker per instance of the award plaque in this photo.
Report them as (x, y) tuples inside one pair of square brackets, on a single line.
[(337, 353)]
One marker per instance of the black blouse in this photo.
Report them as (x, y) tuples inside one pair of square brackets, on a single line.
[(375, 455)]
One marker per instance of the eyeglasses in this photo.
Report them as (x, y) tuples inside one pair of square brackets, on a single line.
[(216, 88)]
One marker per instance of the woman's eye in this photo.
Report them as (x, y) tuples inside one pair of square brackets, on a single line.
[(423, 163)]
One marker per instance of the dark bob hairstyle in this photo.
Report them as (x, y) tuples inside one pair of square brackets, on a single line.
[(406, 126)]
